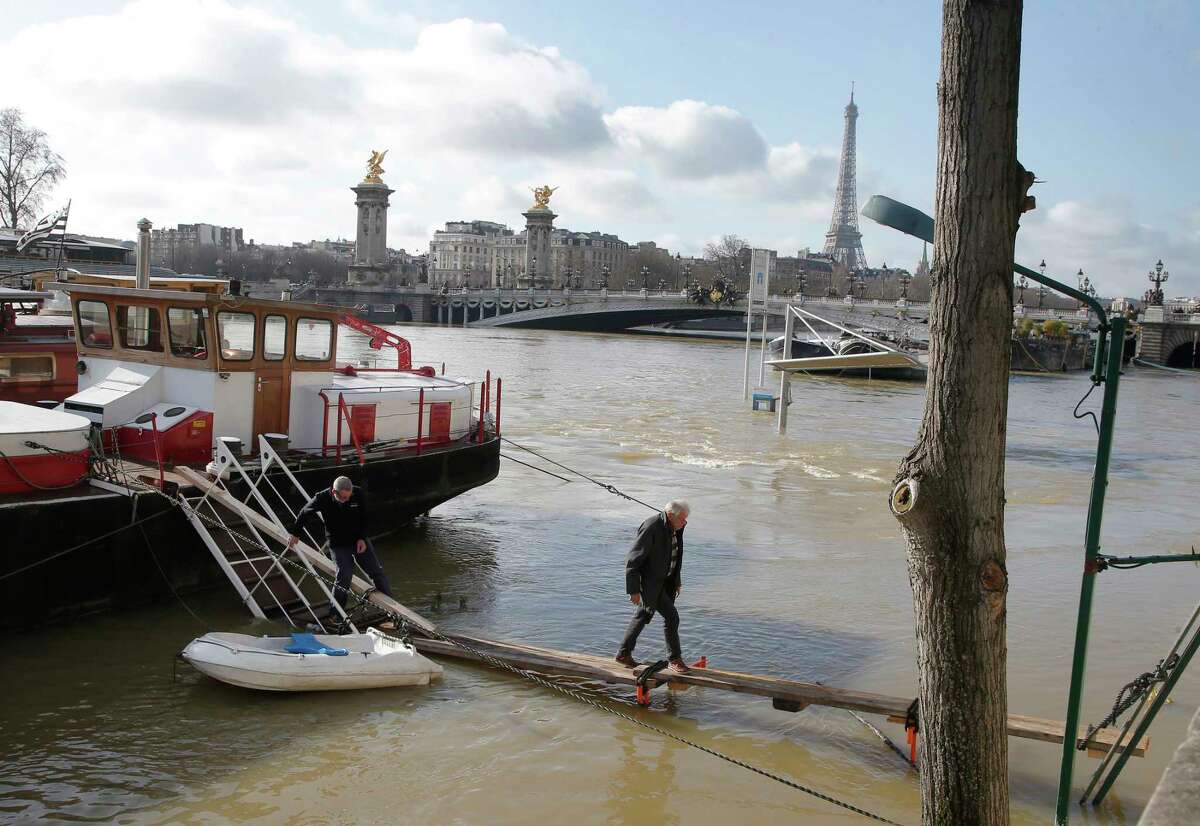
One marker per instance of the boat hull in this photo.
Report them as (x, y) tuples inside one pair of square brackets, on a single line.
[(134, 566)]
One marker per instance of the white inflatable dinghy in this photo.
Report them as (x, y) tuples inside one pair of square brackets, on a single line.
[(310, 662)]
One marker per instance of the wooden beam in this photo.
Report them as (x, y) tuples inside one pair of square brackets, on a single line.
[(549, 661), (317, 559)]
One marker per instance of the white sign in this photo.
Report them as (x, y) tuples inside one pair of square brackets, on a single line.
[(760, 276)]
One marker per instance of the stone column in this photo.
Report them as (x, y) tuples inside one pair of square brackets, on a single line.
[(370, 248), (538, 224)]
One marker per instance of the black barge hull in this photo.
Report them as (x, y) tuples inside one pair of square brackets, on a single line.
[(141, 564)]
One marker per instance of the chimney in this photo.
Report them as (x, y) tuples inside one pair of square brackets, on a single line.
[(143, 255)]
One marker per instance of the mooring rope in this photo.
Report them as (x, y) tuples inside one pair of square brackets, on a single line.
[(610, 488), (534, 467), (1129, 694)]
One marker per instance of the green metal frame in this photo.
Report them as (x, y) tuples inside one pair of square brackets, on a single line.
[(1106, 371)]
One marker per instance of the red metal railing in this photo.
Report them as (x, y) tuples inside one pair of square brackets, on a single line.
[(476, 433)]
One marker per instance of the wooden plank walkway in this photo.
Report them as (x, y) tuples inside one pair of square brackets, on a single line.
[(792, 695), (548, 661)]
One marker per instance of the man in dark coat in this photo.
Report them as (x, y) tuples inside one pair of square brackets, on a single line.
[(343, 509), (652, 580)]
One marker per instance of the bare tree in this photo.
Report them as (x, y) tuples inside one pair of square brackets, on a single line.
[(726, 257), (29, 169), (949, 494)]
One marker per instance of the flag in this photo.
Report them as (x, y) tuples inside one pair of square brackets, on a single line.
[(54, 223)]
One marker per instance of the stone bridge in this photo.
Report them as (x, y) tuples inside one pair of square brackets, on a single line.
[(1170, 338), (606, 310)]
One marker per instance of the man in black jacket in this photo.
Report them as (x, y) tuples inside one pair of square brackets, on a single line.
[(343, 508), (652, 580)]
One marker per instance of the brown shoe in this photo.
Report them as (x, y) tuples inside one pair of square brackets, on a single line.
[(679, 667), (627, 660)]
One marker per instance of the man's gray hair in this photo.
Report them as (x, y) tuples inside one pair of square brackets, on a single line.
[(678, 507), (343, 483)]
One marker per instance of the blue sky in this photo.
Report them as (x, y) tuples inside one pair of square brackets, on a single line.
[(673, 122)]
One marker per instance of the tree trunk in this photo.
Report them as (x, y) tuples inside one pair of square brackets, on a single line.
[(950, 488)]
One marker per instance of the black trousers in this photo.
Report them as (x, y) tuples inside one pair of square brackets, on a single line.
[(346, 557), (666, 607)]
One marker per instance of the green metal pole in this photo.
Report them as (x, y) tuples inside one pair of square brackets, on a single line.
[(1144, 724), (1108, 412)]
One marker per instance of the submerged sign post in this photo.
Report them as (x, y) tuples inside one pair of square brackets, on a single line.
[(756, 301)]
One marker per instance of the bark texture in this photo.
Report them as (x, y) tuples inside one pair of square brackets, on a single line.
[(953, 515)]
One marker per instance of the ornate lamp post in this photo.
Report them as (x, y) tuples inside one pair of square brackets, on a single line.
[(687, 274), (801, 280), (1042, 287), (905, 279), (1157, 277), (1022, 285), (604, 273), (1085, 286), (678, 270), (645, 277), (534, 278)]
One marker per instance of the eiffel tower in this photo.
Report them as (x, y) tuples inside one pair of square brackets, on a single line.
[(843, 242)]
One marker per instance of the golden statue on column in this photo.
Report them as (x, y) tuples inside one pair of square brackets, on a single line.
[(541, 196), (375, 167)]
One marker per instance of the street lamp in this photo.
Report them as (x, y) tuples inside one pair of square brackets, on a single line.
[(533, 272), (604, 273), (1022, 285), (1158, 278), (1042, 287), (905, 279), (1085, 286), (645, 276)]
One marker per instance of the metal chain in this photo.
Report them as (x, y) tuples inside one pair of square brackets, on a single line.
[(542, 681), (1129, 694)]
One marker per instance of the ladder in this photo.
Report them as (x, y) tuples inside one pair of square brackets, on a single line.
[(267, 584)]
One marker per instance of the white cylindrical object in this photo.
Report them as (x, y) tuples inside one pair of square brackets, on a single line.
[(142, 281)]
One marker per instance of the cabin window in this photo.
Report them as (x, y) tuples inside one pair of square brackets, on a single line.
[(314, 339), (26, 368), (94, 327), (185, 330), (274, 337), (237, 336), (139, 327)]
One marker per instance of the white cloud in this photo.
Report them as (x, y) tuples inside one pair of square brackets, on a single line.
[(244, 117), (689, 139), (256, 116), (1106, 240)]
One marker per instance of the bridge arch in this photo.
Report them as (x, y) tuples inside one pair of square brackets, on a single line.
[(1185, 354)]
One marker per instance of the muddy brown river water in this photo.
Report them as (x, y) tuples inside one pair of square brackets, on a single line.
[(794, 567)]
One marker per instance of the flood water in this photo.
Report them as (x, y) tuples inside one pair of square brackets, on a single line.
[(794, 567)]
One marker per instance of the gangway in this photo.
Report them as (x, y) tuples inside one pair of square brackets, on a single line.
[(269, 587), (263, 530)]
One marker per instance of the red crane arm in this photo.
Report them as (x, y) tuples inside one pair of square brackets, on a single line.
[(380, 337)]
